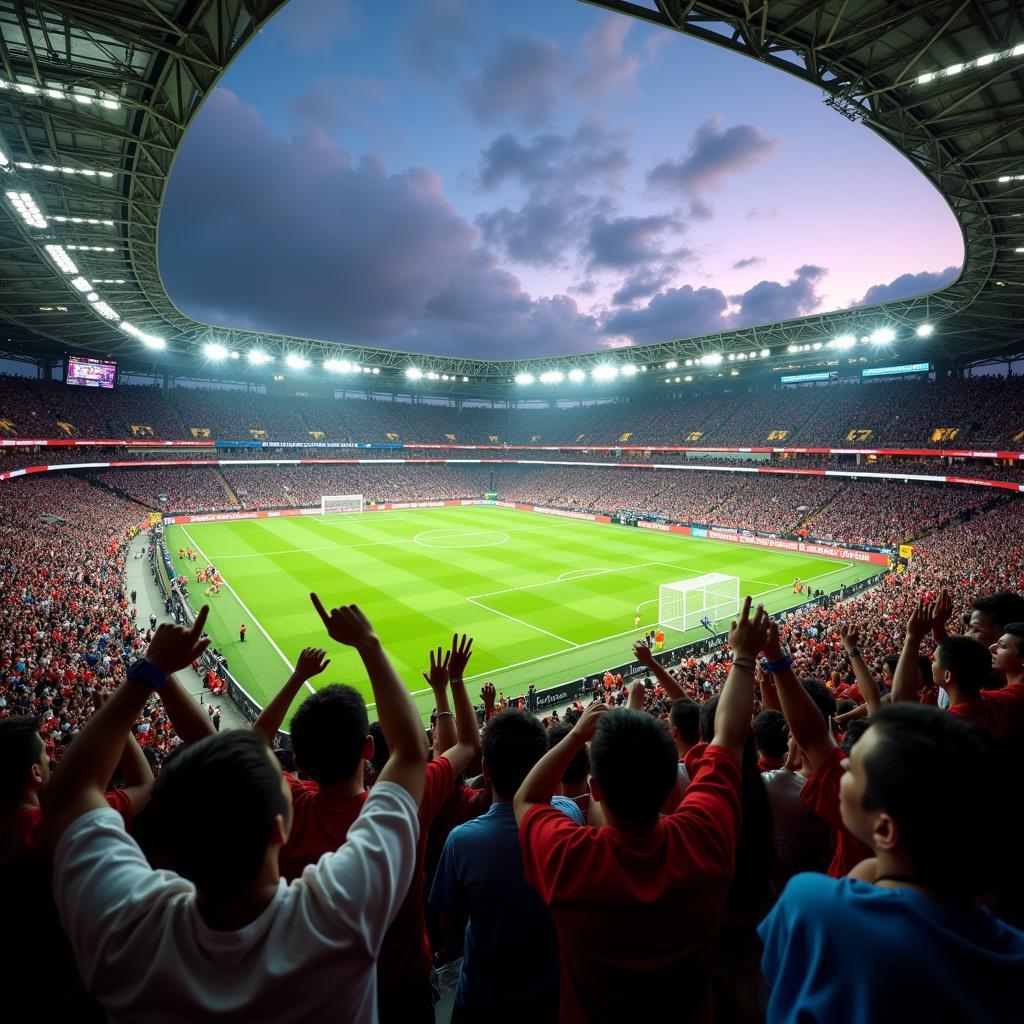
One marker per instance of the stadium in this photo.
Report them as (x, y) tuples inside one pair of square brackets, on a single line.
[(173, 490)]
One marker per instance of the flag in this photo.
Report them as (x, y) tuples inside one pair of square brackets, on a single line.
[(317, 435), (199, 432), (67, 428), (859, 434)]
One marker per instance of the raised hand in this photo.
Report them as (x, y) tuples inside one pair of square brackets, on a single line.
[(312, 661), (772, 646), (175, 647), (942, 610), (487, 695), (643, 653), (589, 720), (437, 678), (747, 635), (346, 624), (459, 655), (850, 635), (920, 621)]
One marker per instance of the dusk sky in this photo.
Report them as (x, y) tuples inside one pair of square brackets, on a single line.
[(472, 177)]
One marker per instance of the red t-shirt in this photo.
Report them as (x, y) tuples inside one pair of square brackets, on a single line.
[(821, 794), (637, 915), (1005, 709), (320, 824)]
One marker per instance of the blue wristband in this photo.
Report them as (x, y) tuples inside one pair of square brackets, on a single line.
[(777, 666), (144, 671)]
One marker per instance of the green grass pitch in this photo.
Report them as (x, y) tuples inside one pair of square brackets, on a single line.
[(546, 599)]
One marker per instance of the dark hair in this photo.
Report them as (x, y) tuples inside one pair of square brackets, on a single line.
[(845, 705), (513, 742), (684, 715), (707, 719), (1016, 630), (750, 890), (969, 661), (822, 697), (328, 732), (1002, 607), (771, 733), (634, 761), (218, 844), (21, 746), (381, 750), (855, 728), (579, 766), (950, 821), (892, 660)]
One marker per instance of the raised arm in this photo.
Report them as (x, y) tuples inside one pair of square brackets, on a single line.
[(769, 695), (190, 721), (467, 731), (810, 731), (906, 680), (736, 704), (637, 696), (134, 768), (643, 653), (312, 661), (850, 636), (445, 734), (941, 612), (80, 779), (399, 719), (546, 775)]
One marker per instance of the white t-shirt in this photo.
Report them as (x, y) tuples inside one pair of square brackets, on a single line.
[(147, 955)]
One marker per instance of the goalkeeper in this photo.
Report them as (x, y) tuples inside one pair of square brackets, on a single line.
[(708, 624)]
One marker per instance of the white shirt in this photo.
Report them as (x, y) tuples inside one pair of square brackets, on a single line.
[(147, 955)]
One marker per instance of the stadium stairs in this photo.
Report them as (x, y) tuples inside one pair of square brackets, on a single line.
[(228, 490), (100, 485), (804, 523)]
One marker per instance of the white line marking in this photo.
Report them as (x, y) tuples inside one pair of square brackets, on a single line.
[(459, 535), (522, 622), (256, 622)]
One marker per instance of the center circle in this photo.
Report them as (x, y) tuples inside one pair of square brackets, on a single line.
[(461, 538)]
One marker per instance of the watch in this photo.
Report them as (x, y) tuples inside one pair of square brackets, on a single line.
[(144, 671)]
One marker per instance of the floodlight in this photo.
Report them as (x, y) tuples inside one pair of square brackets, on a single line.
[(671, 364), (465, 380), (61, 258), (604, 371), (27, 209), (765, 353), (552, 377), (712, 359), (792, 348), (376, 369), (845, 341), (81, 284), (816, 346), (689, 362), (688, 377), (924, 330), (883, 336), (734, 373), (524, 378), (3, 159), (296, 361), (215, 351), (150, 340), (413, 372), (627, 370), (257, 356), (432, 375), (576, 375)]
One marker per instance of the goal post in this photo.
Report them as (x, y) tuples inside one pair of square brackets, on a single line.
[(330, 503), (682, 605)]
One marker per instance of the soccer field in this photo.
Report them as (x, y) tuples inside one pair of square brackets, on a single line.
[(546, 599)]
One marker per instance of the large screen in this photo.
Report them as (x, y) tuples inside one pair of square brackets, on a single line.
[(90, 373)]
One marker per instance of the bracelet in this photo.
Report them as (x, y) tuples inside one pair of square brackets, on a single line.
[(743, 663), (778, 666), (441, 714), (455, 679)]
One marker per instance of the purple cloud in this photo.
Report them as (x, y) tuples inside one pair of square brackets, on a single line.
[(313, 26), (675, 313), (520, 82), (750, 261), (624, 242), (907, 286), (771, 301), (640, 285), (713, 154)]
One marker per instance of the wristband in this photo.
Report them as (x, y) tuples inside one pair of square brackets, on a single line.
[(778, 666), (747, 663), (144, 671), (455, 679), (854, 652), (441, 714)]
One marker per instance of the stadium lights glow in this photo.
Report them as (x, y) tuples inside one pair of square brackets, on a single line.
[(61, 258), (413, 372), (53, 169), (980, 62), (883, 336), (688, 377), (296, 361), (54, 93), (734, 373), (1003, 178), (258, 357), (432, 375), (4, 161), (83, 220), (671, 365), (93, 297), (576, 375), (90, 248), (524, 378), (689, 362), (150, 340), (712, 359), (465, 380), (27, 209), (628, 370), (816, 346), (216, 351), (552, 377), (604, 371), (844, 341), (81, 284), (109, 280), (376, 369), (732, 356), (924, 330), (765, 353), (108, 313)]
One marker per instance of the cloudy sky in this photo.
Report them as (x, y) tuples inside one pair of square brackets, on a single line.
[(484, 178)]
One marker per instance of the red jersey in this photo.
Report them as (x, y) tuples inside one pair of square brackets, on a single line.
[(320, 823), (821, 794), (637, 915)]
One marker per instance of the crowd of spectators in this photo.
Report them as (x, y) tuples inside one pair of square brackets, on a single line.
[(980, 412)]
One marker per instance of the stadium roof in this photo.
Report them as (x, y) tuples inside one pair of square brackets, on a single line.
[(95, 99)]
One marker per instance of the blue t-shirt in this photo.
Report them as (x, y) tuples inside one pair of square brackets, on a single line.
[(841, 950), (511, 950)]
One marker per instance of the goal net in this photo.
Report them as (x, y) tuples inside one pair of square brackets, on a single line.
[(340, 503), (682, 605)]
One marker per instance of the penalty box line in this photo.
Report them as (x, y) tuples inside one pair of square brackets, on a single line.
[(256, 622)]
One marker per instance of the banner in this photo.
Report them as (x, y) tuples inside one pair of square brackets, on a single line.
[(906, 550), (799, 547)]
